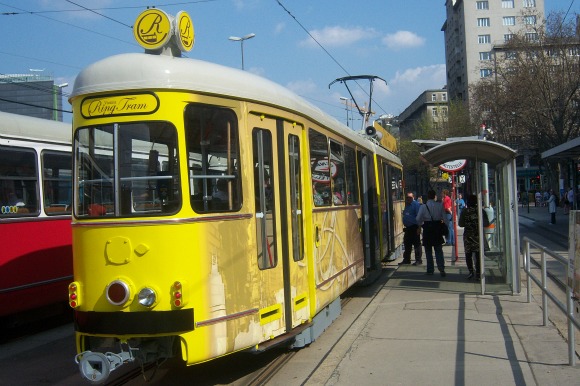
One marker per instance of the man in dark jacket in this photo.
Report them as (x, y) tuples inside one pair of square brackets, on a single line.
[(412, 238)]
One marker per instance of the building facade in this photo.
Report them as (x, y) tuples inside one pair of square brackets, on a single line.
[(473, 28), (32, 95), (430, 107)]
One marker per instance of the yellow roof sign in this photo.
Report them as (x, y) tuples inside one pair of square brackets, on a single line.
[(152, 29), (184, 31)]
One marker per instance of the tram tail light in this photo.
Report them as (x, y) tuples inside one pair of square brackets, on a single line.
[(178, 298), (74, 299)]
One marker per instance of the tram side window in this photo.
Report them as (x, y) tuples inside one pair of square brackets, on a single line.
[(351, 176), (56, 182), (337, 173), (213, 158), (18, 182), (396, 183), (319, 168)]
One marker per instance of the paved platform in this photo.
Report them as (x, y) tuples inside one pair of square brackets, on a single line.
[(416, 329)]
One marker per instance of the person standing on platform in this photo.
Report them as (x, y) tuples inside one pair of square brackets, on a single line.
[(449, 214), (460, 204), (552, 207), (469, 220), (412, 237), (430, 216), (569, 200)]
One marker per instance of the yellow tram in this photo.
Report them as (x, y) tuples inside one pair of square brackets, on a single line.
[(214, 210)]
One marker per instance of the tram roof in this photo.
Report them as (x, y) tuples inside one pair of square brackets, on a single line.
[(481, 150), (36, 129), (137, 71)]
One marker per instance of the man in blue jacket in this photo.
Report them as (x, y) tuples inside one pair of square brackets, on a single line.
[(412, 237)]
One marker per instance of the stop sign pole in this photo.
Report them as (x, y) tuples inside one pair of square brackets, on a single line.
[(453, 167)]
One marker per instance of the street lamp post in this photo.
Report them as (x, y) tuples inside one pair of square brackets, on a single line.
[(345, 100), (241, 40)]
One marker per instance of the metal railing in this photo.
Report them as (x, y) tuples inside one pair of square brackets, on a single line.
[(567, 309)]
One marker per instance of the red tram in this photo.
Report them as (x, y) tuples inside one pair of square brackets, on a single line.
[(35, 198)]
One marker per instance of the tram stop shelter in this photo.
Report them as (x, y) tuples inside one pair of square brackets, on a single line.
[(567, 153), (491, 171)]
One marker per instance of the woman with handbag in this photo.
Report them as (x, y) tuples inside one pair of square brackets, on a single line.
[(469, 220), (431, 216)]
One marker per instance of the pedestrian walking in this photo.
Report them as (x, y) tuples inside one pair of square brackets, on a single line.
[(552, 207), (430, 216), (469, 220), (412, 232)]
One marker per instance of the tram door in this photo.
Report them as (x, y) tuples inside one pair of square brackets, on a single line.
[(279, 233), (370, 211)]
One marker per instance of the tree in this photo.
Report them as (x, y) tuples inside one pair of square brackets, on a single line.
[(532, 99), (456, 124)]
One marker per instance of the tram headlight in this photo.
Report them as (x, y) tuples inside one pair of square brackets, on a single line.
[(118, 292), (147, 297)]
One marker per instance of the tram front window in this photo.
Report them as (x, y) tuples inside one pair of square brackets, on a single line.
[(127, 169)]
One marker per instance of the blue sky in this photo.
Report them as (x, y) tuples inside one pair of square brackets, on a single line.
[(399, 41)]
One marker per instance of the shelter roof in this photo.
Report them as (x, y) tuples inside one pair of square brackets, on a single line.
[(470, 148), (570, 149)]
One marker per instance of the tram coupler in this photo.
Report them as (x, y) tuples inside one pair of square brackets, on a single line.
[(96, 366)]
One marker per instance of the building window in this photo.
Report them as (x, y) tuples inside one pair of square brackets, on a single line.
[(530, 20), (507, 37), (434, 112), (484, 39), (482, 4), (444, 111), (507, 3), (485, 72), (483, 22), (509, 20), (529, 3), (486, 55), (433, 97), (444, 97), (511, 55), (531, 36)]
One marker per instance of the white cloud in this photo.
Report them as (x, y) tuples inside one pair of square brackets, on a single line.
[(434, 75), (279, 28), (403, 39), (301, 87), (407, 85), (338, 36), (246, 4)]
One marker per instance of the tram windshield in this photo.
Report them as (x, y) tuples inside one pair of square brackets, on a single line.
[(127, 169)]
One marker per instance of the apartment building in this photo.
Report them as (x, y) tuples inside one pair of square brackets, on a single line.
[(473, 28), (431, 105)]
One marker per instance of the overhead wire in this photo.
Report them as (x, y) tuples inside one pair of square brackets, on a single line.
[(326, 51)]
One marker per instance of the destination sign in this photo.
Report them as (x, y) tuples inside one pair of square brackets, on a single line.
[(453, 166), (116, 105)]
